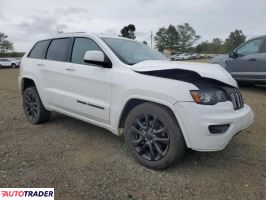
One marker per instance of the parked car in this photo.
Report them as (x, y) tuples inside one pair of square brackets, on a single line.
[(196, 56), (184, 56), (174, 56), (161, 107), (9, 62), (247, 63)]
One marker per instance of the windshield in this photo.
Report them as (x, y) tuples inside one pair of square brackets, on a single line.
[(132, 52)]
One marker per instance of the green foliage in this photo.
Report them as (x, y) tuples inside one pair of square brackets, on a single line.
[(219, 46), (128, 31), (5, 45), (160, 39), (12, 54), (180, 38), (167, 38), (216, 46), (234, 40), (183, 37), (172, 38), (202, 47), (187, 36)]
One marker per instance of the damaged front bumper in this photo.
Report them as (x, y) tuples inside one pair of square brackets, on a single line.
[(195, 121)]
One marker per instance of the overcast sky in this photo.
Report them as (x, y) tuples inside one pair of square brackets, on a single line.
[(25, 21)]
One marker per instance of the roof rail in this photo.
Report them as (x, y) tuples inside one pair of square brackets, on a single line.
[(63, 33)]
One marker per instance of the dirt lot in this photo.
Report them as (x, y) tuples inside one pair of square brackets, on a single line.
[(82, 161)]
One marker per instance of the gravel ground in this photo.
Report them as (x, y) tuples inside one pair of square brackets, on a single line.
[(82, 161)]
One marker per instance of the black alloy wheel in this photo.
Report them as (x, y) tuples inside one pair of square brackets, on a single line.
[(33, 107), (153, 136), (150, 137)]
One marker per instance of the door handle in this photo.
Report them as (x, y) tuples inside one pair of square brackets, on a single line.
[(252, 59), (70, 69), (40, 64)]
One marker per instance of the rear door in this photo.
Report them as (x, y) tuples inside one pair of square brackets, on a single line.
[(35, 62), (262, 63), (245, 66), (53, 73)]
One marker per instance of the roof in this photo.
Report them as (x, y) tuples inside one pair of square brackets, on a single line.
[(84, 34), (262, 36)]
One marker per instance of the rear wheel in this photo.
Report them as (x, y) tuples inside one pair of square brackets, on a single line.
[(153, 136), (13, 65), (33, 107)]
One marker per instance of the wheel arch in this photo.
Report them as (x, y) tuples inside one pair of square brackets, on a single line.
[(133, 102), (27, 82)]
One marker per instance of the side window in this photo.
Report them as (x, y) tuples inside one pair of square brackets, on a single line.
[(39, 49), (251, 47), (264, 48), (81, 45), (58, 49)]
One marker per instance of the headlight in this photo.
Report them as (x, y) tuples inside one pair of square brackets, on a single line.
[(208, 97)]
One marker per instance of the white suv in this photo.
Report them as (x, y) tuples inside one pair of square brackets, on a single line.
[(161, 107), (8, 62)]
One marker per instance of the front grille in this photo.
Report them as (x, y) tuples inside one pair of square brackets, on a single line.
[(236, 99)]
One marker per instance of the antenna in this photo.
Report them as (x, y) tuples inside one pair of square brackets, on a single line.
[(151, 39)]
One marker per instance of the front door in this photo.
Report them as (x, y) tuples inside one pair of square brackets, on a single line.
[(262, 64), (88, 84), (245, 65)]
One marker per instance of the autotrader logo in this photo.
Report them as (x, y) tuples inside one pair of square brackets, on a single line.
[(27, 193)]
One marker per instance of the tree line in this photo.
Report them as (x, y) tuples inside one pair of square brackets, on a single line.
[(183, 38), (180, 38), (7, 48)]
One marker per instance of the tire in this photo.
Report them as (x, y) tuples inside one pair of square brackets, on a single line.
[(13, 65), (33, 107), (164, 134)]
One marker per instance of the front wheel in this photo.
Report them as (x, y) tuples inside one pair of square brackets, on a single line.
[(13, 65), (153, 136)]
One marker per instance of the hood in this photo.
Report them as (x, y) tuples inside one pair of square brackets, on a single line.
[(211, 71), (222, 56), (220, 59)]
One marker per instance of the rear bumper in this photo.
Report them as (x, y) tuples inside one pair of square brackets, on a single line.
[(196, 119)]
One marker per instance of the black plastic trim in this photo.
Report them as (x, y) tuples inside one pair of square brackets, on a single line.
[(89, 104)]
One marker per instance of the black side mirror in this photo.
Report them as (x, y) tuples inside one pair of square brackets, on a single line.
[(233, 54)]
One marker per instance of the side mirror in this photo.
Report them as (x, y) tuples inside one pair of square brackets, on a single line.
[(97, 58), (233, 54)]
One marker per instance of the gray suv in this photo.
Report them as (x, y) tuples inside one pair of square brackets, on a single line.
[(247, 62)]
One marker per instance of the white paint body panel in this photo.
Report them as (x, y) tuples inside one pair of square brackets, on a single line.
[(213, 71), (112, 88)]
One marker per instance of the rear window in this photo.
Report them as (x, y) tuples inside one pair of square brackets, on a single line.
[(58, 49), (39, 49)]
